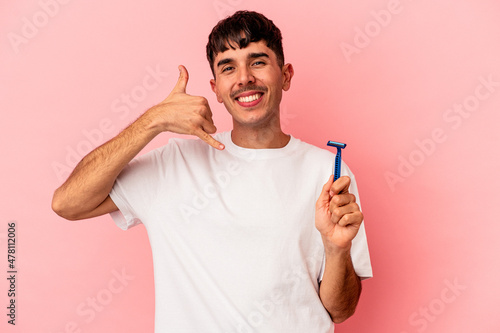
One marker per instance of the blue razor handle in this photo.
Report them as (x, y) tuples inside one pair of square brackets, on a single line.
[(338, 157)]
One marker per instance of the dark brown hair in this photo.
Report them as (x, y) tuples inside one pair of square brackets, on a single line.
[(241, 29)]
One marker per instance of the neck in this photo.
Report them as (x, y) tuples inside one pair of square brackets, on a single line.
[(259, 138)]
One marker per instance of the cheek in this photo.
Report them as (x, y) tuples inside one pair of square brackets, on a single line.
[(219, 93), (225, 89)]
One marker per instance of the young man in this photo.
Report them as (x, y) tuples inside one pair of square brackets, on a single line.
[(245, 234)]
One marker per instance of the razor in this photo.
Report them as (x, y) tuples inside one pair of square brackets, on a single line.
[(338, 157)]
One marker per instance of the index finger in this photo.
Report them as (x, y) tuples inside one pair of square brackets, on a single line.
[(209, 139)]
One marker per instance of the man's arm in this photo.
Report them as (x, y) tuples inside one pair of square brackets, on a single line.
[(85, 193), (340, 288), (338, 219)]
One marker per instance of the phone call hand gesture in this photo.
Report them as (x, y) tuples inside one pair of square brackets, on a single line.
[(185, 114)]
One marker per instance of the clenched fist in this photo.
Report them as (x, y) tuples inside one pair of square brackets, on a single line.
[(338, 216)]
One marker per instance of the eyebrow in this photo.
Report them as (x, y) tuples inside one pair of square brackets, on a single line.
[(250, 56), (258, 55)]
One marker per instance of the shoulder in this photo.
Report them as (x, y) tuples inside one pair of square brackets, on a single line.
[(318, 155), (313, 151)]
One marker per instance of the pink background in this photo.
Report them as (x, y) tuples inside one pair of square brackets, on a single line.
[(386, 77)]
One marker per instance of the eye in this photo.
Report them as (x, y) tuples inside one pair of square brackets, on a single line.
[(258, 62), (227, 69)]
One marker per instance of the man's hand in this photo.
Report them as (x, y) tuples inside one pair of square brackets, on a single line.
[(185, 114), (338, 217)]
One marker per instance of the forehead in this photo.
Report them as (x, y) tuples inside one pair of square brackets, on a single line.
[(241, 54)]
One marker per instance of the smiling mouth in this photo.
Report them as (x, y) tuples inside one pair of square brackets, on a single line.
[(248, 99)]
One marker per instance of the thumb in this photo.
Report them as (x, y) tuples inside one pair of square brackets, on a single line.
[(181, 84)]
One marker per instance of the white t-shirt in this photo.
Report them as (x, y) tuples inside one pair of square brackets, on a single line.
[(232, 233)]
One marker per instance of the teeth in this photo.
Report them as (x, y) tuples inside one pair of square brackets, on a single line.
[(248, 99)]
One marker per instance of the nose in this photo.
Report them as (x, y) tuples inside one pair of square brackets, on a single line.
[(245, 76)]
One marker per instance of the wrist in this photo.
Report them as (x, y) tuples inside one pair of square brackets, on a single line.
[(333, 249), (152, 123)]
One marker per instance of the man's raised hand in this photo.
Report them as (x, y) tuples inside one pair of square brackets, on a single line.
[(185, 114), (338, 217)]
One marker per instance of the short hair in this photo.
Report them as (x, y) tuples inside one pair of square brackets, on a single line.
[(241, 29)]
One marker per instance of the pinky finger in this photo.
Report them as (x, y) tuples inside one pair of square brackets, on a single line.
[(209, 139)]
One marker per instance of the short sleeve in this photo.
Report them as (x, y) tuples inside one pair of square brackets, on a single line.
[(136, 188)]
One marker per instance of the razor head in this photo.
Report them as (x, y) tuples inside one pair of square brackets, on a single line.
[(336, 144)]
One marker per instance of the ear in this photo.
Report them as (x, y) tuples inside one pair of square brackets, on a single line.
[(287, 72), (213, 85)]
